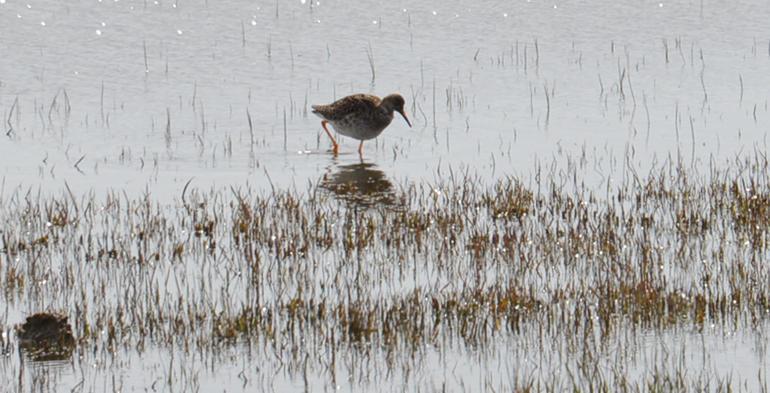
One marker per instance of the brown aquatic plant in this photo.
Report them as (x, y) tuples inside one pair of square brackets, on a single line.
[(46, 336)]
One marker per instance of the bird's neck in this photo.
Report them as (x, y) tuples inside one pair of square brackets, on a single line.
[(387, 106)]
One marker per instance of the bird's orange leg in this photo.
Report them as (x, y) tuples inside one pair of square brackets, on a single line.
[(361, 149), (335, 146)]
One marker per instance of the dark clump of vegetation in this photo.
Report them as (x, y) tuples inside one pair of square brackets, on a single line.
[(46, 336)]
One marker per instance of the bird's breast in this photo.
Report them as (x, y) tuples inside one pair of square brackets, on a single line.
[(362, 127)]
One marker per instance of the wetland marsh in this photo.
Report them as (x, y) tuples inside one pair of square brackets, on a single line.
[(582, 204)]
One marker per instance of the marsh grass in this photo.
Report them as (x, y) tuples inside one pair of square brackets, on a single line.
[(318, 276)]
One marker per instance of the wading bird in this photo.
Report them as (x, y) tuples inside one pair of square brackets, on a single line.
[(360, 116)]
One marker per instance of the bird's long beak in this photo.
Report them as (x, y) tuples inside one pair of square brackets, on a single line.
[(405, 118)]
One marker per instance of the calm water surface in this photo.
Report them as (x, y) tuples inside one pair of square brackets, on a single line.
[(651, 78)]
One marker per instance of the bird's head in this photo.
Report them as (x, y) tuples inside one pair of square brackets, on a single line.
[(395, 102)]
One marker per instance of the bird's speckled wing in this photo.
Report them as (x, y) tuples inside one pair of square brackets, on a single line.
[(357, 103)]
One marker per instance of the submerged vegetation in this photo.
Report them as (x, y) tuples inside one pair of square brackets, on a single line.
[(46, 336), (320, 280)]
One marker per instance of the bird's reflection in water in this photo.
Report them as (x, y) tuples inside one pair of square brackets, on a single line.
[(361, 185)]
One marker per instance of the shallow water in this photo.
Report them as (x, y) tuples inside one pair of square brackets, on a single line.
[(146, 96), (452, 369), (612, 89)]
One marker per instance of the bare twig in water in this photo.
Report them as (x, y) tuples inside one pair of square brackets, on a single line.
[(77, 164), (547, 104), (370, 56), (434, 103), (146, 64), (702, 80), (10, 114), (72, 197), (251, 131), (101, 102), (184, 191), (167, 135)]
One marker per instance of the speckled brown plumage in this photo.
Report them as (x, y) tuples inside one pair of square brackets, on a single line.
[(360, 116), (356, 103)]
